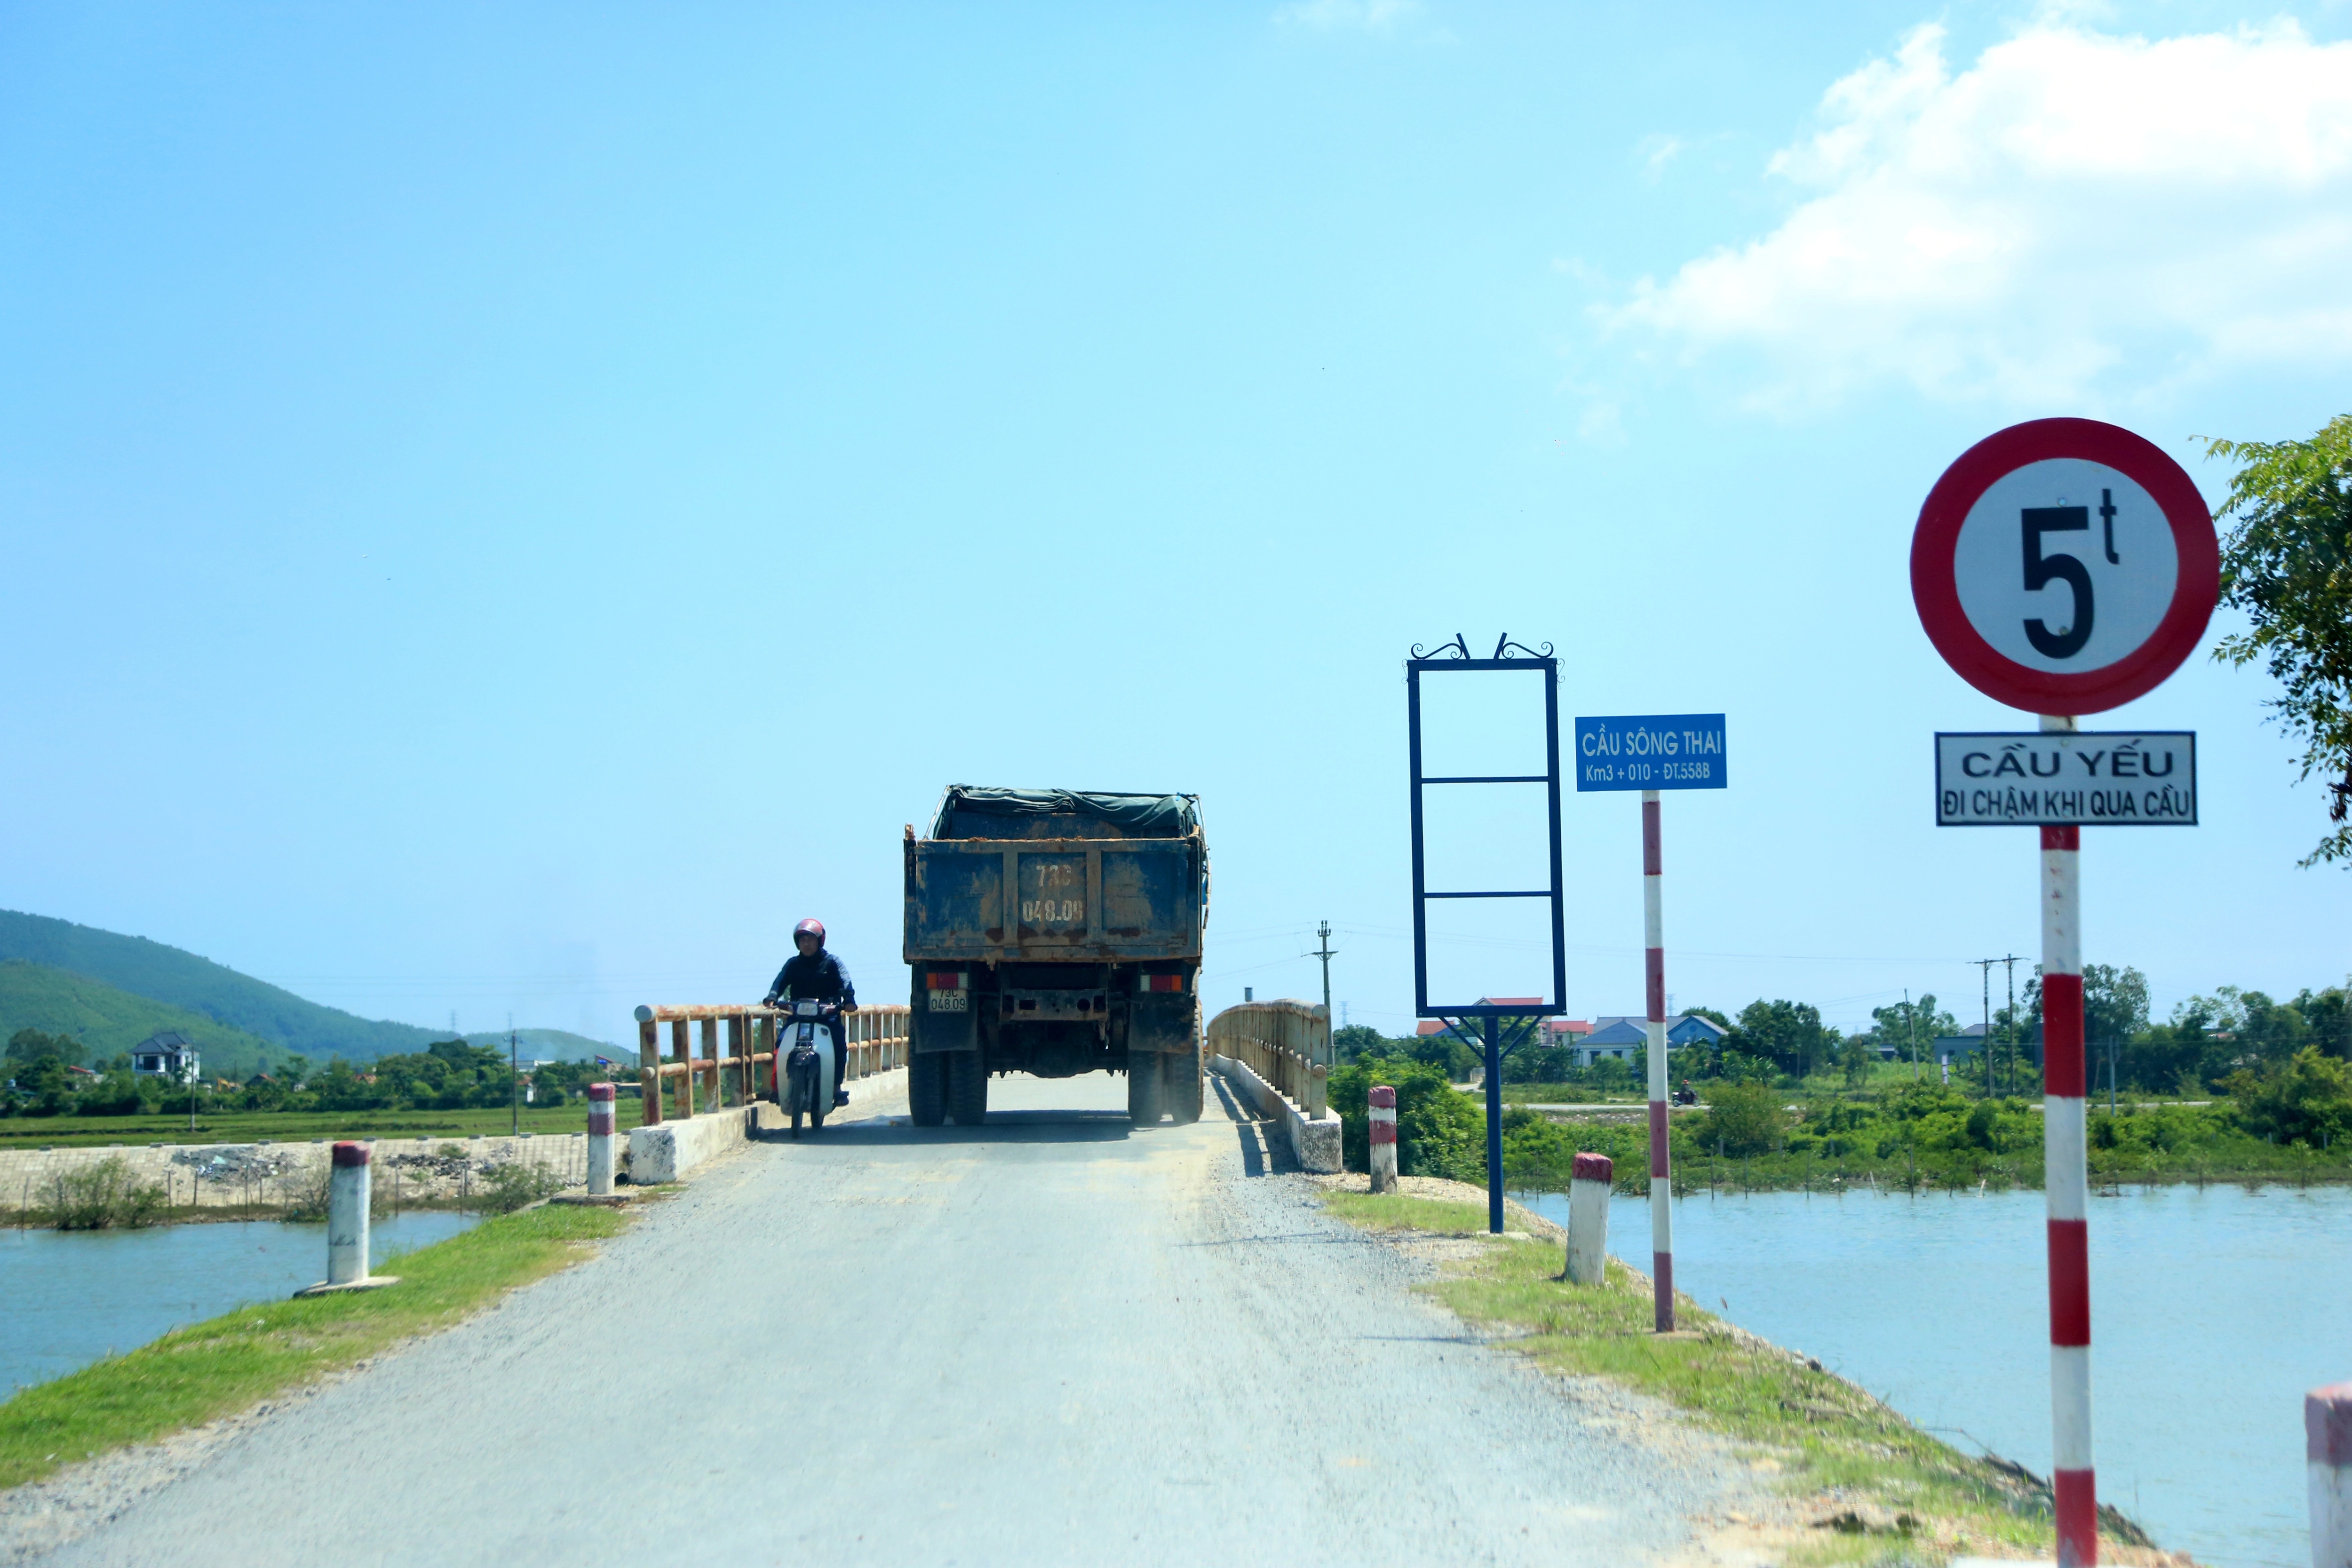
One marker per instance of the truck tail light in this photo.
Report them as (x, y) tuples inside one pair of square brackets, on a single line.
[(1160, 983), (946, 979)]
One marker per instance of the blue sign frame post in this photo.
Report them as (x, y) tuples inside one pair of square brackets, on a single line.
[(1451, 658), (1654, 753)]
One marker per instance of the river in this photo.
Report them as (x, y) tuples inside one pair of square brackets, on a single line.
[(2212, 1311), (77, 1296)]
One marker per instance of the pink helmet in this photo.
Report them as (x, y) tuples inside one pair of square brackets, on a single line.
[(811, 926)]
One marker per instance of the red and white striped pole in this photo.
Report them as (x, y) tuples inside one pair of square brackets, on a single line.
[(1383, 1133), (1662, 1182), (600, 1139), (2328, 1441), (2066, 1184)]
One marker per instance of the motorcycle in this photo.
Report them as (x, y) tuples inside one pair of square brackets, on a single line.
[(807, 1075)]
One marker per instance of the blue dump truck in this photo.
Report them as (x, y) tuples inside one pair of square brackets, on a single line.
[(1057, 932)]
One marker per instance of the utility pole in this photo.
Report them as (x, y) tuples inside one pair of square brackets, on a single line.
[(1324, 952), (1911, 1033), (2012, 960), (1985, 967), (514, 1074)]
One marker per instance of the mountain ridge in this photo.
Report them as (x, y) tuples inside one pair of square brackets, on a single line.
[(172, 976)]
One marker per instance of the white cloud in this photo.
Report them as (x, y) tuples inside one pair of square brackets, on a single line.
[(1361, 15), (2077, 214), (1656, 151)]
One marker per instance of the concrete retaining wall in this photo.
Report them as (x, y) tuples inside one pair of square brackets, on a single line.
[(226, 1175), (671, 1151), (1315, 1141)]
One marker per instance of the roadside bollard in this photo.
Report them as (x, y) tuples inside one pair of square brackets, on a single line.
[(347, 1225), (1588, 1218), (2327, 1435), (347, 1214), (600, 1139), (1383, 1130)]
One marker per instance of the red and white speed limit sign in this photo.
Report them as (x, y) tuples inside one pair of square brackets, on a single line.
[(2065, 566)]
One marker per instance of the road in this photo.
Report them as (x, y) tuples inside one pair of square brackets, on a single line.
[(1051, 1338)]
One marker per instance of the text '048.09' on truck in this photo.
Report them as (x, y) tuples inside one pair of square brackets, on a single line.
[(1054, 934)]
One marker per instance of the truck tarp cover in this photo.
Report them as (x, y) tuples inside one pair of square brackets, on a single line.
[(975, 811)]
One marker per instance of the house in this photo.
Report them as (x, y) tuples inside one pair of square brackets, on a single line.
[(1532, 1003), (1565, 1031), (1967, 1043), (170, 1055), (1618, 1036)]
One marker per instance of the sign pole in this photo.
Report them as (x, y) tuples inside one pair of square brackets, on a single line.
[(1493, 1125), (2066, 1184), (1653, 963)]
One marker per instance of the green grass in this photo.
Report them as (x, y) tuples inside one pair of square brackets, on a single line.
[(1393, 1211), (296, 1126), (228, 1364), (1822, 1432)]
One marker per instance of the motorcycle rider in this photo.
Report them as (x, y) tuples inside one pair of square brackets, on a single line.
[(813, 975)]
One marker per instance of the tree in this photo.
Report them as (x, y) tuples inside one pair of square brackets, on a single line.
[(29, 1046), (2287, 563), (1789, 1035), (2307, 1100), (1909, 1026)]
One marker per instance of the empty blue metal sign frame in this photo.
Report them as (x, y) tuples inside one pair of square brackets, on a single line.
[(1657, 751), (1453, 658)]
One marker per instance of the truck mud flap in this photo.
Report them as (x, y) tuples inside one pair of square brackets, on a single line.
[(943, 1031)]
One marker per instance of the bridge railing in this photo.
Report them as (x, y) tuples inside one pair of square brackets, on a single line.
[(1285, 1043), (876, 1038)]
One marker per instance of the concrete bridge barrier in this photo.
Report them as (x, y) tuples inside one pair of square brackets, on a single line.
[(1278, 1056), (736, 1069), (745, 1069)]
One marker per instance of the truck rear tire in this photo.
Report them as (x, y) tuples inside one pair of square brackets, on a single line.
[(927, 1088), (967, 1087), (1180, 1084), (1143, 1097)]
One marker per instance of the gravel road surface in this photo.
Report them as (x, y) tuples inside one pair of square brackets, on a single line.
[(1048, 1339)]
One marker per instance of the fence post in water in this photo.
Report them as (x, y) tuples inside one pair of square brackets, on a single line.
[(1383, 1135), (1588, 1218), (600, 1139), (2327, 1437)]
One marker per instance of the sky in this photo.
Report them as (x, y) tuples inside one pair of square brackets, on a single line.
[(503, 510)]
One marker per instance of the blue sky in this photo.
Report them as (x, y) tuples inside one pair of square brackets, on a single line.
[(507, 509)]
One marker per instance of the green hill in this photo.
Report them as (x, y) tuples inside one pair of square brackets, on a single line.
[(110, 1021), (554, 1045), (213, 991)]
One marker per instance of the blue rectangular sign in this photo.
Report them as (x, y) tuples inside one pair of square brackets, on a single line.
[(1660, 750)]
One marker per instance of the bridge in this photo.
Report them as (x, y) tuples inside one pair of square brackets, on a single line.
[(1056, 1336)]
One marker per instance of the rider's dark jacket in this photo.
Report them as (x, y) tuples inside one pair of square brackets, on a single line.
[(818, 979)]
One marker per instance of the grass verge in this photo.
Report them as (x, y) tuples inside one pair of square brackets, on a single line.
[(228, 1364), (1868, 1486)]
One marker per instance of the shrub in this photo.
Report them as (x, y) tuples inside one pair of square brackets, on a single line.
[(2307, 1100), (102, 1196), (506, 1188), (1439, 1131), (1741, 1118)]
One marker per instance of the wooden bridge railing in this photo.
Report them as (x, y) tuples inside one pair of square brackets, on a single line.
[(1288, 1044), (876, 1039)]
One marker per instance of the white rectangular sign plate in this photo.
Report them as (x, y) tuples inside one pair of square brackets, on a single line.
[(2111, 778)]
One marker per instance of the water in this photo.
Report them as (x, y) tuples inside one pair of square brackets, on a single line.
[(75, 1296), (2212, 1312)]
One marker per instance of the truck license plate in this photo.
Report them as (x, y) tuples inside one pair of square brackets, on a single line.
[(950, 1001)]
